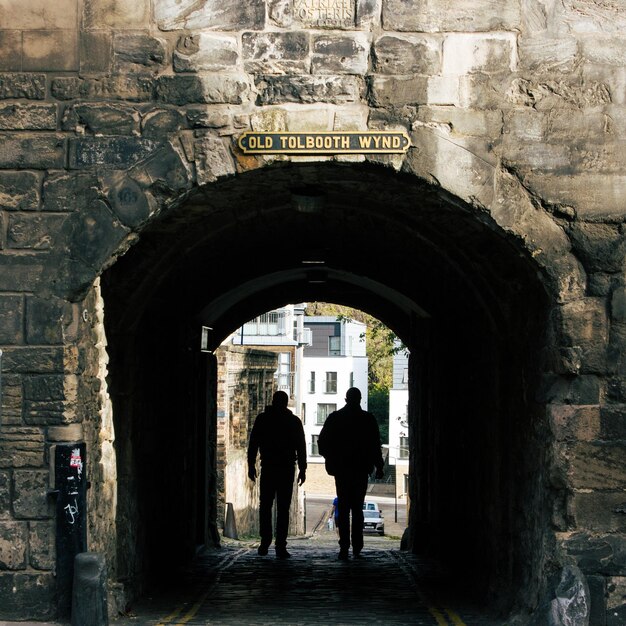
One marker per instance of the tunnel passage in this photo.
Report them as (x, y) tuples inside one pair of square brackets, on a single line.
[(466, 298)]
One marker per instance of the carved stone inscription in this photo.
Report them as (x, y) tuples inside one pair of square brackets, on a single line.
[(325, 13)]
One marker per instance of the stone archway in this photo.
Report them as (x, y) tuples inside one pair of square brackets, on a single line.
[(472, 277)]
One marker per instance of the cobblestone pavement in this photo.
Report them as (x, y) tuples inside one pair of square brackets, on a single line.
[(233, 585)]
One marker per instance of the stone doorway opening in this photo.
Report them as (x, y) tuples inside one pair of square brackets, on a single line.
[(466, 298)]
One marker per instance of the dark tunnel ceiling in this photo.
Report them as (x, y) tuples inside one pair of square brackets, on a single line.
[(433, 254)]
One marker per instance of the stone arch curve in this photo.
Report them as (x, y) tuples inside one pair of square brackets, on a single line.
[(133, 205)]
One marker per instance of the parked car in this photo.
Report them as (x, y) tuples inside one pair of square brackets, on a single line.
[(373, 522), (369, 505)]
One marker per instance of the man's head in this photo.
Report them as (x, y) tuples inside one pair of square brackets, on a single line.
[(353, 396), (280, 400)]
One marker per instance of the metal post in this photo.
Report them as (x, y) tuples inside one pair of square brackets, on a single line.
[(395, 497)]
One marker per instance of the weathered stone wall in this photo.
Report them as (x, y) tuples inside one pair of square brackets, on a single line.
[(245, 386), (515, 108)]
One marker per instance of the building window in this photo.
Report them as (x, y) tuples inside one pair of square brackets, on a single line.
[(314, 448), (284, 372), (312, 383), (303, 413), (323, 411), (403, 452), (331, 382), (351, 379), (405, 375), (334, 346)]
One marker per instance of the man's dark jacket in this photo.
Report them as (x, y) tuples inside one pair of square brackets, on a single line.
[(350, 442), (279, 435)]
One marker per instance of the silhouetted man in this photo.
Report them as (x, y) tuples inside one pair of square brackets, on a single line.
[(279, 436), (350, 444)]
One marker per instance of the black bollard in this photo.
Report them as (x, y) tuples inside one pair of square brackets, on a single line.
[(230, 525), (89, 593)]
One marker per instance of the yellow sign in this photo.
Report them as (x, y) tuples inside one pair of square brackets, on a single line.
[(328, 143)]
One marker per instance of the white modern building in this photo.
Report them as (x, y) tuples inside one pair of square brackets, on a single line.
[(334, 361), (398, 421)]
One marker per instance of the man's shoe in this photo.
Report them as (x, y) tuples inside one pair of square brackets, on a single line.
[(262, 550), (357, 554), (343, 555), (281, 553)]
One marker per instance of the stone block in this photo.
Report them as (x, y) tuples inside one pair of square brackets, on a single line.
[(543, 54), (212, 159), (19, 273), (353, 117), (38, 15), (50, 50), (311, 14), (11, 399), (276, 53), (102, 119), (465, 53), (569, 390), (132, 87), (527, 125), (44, 388), (163, 122), (109, 152), (10, 50), (407, 54), (443, 90), (618, 305), (346, 53), (598, 466), (269, 120), (30, 499), (138, 50), (467, 122), (597, 600), (442, 16), (584, 323), (600, 511), (33, 231), (38, 152), (208, 117), (13, 545), (597, 554), (32, 595), (207, 52), (613, 422), (603, 49), (309, 89), (616, 601), (206, 89), (11, 320), (45, 318), (368, 13), (29, 360), (42, 548), (432, 153), (536, 156), (64, 192), (594, 196), (66, 433), (94, 234), (5, 495), (118, 14), (600, 247), (28, 117), (26, 86), (210, 15), (570, 422), (95, 52), (310, 119), (397, 91)]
